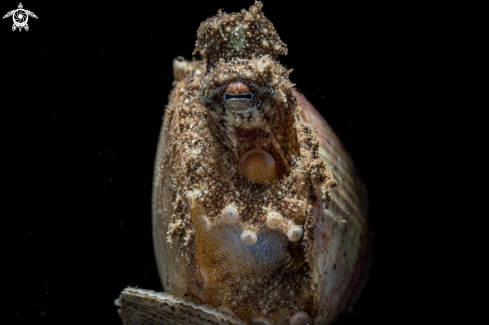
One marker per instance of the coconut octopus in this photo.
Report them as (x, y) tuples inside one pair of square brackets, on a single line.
[(259, 215)]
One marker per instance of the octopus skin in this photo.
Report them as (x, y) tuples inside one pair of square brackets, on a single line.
[(259, 214)]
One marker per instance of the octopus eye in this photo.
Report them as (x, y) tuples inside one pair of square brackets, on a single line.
[(239, 98), (248, 96)]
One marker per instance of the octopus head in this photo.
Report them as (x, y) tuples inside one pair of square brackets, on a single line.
[(246, 91)]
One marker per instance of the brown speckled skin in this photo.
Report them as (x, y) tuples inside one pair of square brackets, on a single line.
[(319, 189)]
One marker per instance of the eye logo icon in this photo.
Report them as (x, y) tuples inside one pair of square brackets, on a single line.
[(20, 17)]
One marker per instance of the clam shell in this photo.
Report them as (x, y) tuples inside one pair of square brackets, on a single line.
[(199, 255), (138, 306), (341, 252)]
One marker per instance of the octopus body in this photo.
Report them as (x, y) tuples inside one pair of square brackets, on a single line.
[(259, 215)]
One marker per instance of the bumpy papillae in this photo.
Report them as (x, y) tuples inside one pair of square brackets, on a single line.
[(268, 279), (243, 35)]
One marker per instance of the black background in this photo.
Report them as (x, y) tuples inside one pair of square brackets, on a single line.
[(82, 100)]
